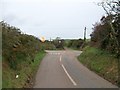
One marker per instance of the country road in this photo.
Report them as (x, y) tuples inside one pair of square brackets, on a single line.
[(61, 69)]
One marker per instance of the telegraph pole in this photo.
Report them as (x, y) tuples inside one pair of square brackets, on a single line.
[(84, 39), (85, 34), (50, 40)]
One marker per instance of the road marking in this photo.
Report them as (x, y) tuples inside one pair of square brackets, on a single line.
[(74, 83), (54, 53), (60, 58)]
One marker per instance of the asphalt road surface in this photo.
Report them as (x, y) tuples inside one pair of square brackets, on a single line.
[(61, 69)]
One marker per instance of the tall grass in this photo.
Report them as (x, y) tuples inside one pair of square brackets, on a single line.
[(100, 61), (26, 73)]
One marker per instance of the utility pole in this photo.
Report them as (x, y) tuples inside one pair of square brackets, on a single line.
[(84, 39), (50, 40), (85, 34)]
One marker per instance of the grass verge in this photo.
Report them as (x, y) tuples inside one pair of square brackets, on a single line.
[(101, 62), (26, 73)]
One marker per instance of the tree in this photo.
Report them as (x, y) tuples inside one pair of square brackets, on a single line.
[(112, 8), (59, 43)]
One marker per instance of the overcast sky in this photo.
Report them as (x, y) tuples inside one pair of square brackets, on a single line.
[(52, 18)]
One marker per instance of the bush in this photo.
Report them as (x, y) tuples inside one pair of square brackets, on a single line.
[(17, 47), (76, 44), (102, 36)]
